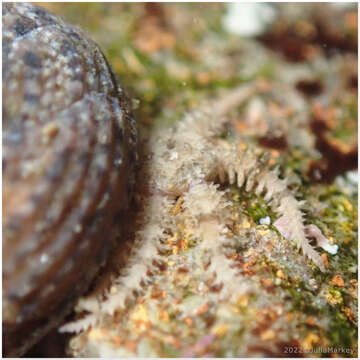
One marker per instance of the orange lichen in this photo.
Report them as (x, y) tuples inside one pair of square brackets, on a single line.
[(247, 267), (203, 309), (243, 301), (189, 321), (140, 317), (117, 340), (268, 283), (310, 340), (350, 315), (337, 280), (98, 334), (290, 317), (311, 321), (131, 345), (177, 207), (220, 330), (203, 77), (325, 260), (164, 316), (268, 335), (280, 274)]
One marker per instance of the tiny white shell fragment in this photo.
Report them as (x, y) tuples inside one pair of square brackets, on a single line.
[(265, 221)]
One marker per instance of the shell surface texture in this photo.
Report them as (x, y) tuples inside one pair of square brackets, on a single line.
[(69, 152)]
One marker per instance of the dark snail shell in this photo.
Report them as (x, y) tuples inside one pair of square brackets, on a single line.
[(69, 148)]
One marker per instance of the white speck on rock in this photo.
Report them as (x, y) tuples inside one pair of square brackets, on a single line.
[(248, 19), (352, 176), (265, 221), (78, 228), (44, 258), (174, 155)]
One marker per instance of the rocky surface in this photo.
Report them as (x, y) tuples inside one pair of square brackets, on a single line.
[(175, 58)]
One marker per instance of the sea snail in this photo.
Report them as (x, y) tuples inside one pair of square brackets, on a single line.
[(69, 153)]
